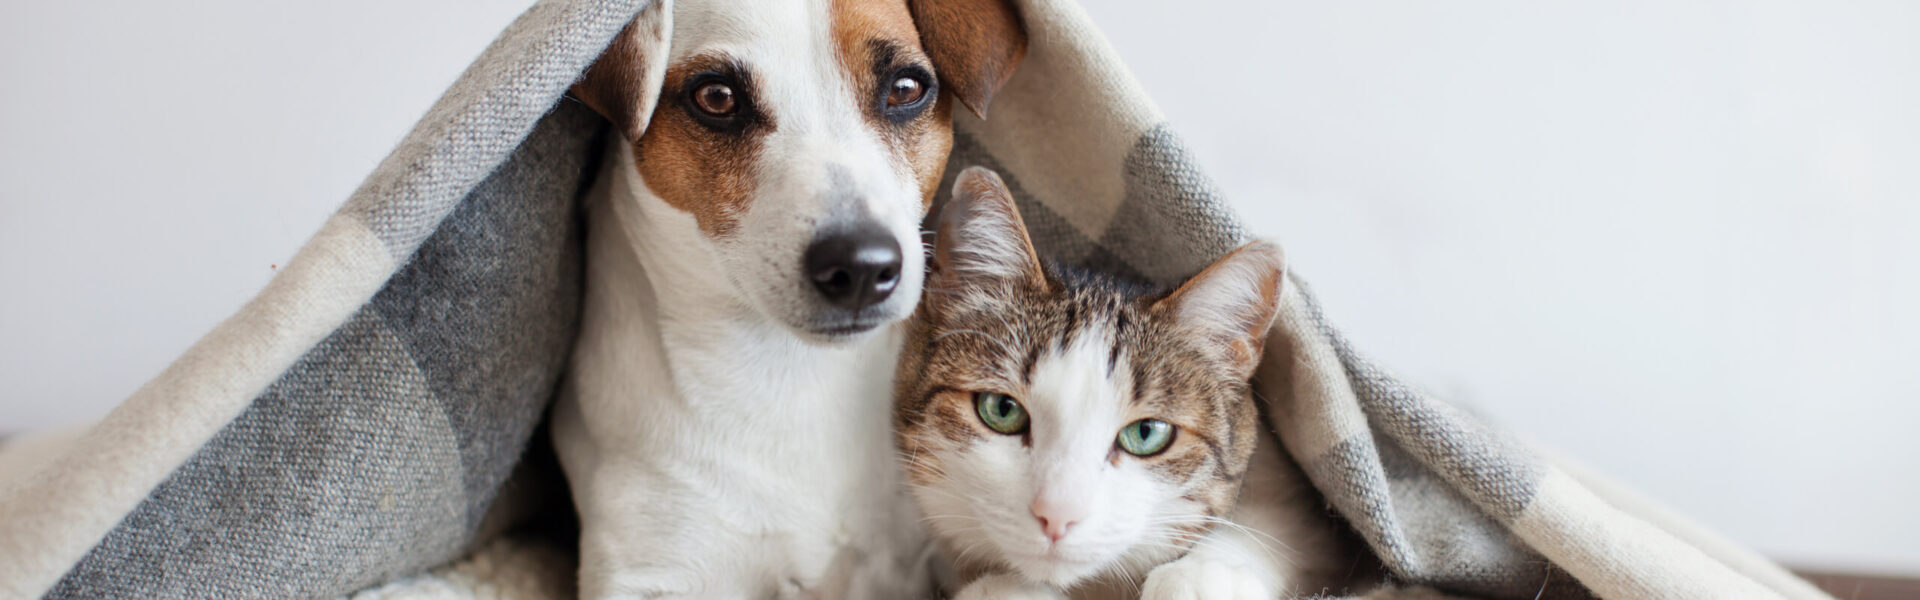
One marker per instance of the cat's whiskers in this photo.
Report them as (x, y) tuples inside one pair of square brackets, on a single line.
[(1122, 570), (977, 552), (1191, 542), (1196, 545), (1256, 534), (955, 496), (914, 461), (1203, 540), (937, 518)]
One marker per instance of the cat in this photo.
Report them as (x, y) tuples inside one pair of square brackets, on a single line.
[(1071, 435)]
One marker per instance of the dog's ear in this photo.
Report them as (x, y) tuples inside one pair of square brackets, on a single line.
[(623, 85), (980, 242), (974, 44), (1232, 303)]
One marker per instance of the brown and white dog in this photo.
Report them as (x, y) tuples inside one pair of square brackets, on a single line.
[(753, 241)]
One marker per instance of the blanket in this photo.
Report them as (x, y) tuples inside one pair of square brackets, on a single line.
[(355, 427)]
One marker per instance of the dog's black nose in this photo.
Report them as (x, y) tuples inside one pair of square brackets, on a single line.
[(856, 268)]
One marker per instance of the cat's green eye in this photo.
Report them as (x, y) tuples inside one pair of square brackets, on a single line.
[(1000, 412), (1146, 437)]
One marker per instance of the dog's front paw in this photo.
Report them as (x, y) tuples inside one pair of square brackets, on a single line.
[(1007, 587), (1198, 578)]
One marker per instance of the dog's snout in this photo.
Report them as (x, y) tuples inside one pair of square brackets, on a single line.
[(856, 268)]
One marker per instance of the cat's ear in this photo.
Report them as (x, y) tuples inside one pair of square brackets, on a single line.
[(1233, 302), (980, 239)]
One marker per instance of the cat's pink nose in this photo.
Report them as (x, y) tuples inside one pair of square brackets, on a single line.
[(1055, 517)]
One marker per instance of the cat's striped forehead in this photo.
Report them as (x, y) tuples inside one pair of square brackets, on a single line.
[(1008, 331), (1088, 347)]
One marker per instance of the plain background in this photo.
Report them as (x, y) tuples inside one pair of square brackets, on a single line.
[(1676, 241)]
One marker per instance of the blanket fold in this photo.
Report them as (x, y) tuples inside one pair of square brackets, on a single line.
[(351, 427)]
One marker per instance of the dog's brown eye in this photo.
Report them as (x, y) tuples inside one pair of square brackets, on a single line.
[(906, 90), (715, 99)]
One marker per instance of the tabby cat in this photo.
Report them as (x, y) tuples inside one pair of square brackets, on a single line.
[(1067, 434)]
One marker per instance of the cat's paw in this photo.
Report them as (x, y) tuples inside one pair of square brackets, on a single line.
[(1007, 587), (1196, 578)]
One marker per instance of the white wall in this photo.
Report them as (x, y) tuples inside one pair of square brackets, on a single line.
[(1674, 240), (158, 159)]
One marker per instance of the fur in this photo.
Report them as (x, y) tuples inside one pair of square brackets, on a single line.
[(1087, 355), (723, 428)]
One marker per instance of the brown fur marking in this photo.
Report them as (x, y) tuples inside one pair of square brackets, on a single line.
[(976, 335), (976, 44), (871, 39), (614, 84), (694, 168)]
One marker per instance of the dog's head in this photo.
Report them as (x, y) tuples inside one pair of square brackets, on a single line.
[(804, 138)]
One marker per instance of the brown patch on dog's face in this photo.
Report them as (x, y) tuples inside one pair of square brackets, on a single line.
[(829, 118), (700, 161), (976, 43), (621, 82), (704, 164), (878, 48)]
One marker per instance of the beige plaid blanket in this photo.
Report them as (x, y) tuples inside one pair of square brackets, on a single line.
[(352, 429)]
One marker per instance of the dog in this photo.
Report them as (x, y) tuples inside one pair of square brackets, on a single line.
[(753, 241)]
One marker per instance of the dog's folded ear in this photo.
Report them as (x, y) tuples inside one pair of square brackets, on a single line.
[(974, 44), (623, 85)]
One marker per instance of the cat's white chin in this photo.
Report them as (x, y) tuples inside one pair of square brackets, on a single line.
[(1055, 570)]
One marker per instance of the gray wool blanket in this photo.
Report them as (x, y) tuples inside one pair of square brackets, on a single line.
[(355, 428)]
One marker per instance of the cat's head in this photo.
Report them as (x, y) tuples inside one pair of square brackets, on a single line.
[(1058, 425)]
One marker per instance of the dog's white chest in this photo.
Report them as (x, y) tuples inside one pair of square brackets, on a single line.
[(766, 477), (713, 455), (799, 437)]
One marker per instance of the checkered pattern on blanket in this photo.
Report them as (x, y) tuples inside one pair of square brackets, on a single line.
[(355, 422)]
